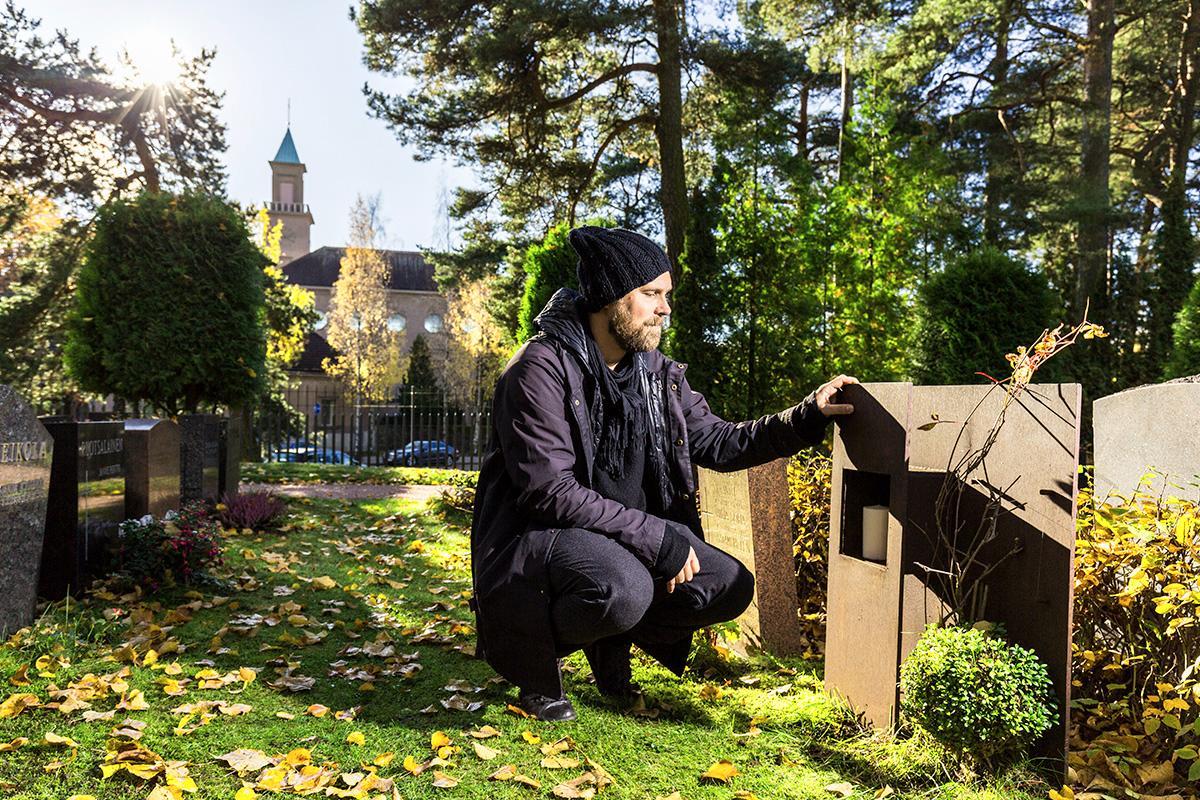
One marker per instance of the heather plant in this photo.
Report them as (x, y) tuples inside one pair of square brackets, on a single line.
[(256, 511)]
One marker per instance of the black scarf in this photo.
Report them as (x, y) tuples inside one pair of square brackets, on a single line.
[(617, 415)]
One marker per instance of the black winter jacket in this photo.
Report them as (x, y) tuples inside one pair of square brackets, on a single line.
[(536, 480)]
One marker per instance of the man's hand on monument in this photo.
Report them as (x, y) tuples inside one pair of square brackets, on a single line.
[(828, 391), (690, 568)]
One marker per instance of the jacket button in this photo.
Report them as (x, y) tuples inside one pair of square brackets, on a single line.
[(577, 401), (679, 442), (674, 387)]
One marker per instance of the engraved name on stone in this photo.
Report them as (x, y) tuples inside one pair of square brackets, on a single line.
[(16, 452)]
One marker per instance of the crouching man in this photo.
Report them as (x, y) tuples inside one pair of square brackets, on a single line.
[(585, 531)]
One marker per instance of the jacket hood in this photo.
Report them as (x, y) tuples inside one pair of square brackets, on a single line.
[(562, 319)]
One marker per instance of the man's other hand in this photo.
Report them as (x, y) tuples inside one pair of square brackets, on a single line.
[(828, 391), (690, 568)]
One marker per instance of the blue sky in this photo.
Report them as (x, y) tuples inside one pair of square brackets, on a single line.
[(268, 51)]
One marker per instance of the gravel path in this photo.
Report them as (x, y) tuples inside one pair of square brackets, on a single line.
[(345, 491)]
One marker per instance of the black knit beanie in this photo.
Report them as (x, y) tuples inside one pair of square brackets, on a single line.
[(613, 262)]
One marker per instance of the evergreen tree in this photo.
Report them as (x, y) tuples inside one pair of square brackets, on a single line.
[(169, 304), (549, 265)]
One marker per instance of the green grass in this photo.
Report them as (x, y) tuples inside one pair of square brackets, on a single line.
[(339, 473), (392, 560)]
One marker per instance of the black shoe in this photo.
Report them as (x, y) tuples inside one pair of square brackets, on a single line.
[(609, 660), (548, 709)]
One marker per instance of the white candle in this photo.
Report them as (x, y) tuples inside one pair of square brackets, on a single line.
[(875, 526)]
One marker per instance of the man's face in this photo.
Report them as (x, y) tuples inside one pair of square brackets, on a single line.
[(636, 320)]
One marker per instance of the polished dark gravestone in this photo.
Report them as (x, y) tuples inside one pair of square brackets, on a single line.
[(895, 451), (1148, 428), (151, 467), (199, 457), (86, 505), (231, 455), (746, 514), (26, 450)]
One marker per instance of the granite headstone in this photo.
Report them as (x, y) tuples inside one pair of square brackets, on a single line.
[(26, 450), (1152, 428), (199, 457), (86, 505), (151, 467), (231, 455), (746, 514)]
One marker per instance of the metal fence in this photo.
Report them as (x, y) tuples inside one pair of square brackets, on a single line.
[(418, 429)]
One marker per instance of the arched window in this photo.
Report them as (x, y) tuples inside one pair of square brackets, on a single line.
[(433, 323)]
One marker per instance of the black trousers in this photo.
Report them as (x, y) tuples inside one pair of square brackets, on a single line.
[(598, 590)]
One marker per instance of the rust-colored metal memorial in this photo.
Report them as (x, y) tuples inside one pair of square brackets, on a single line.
[(896, 450)]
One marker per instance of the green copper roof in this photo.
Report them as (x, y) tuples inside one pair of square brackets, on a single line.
[(287, 150)]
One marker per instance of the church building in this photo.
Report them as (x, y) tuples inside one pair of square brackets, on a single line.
[(414, 303)]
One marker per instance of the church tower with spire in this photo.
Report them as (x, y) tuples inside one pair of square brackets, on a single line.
[(287, 201)]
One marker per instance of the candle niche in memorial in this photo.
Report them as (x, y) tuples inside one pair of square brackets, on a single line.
[(865, 498)]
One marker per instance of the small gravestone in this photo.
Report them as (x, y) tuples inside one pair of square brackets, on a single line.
[(199, 457), (25, 455), (151, 467), (231, 455), (746, 514), (1148, 429), (86, 505)]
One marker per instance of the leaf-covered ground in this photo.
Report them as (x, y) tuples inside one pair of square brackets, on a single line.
[(336, 660)]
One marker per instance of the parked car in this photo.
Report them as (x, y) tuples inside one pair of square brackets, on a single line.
[(330, 456), (423, 453), (301, 453)]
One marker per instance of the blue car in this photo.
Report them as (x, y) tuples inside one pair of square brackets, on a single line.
[(423, 453)]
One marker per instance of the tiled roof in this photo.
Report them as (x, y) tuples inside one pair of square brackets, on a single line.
[(410, 271), (315, 350)]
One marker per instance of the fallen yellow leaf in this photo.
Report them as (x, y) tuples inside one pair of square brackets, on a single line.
[(531, 737), (720, 772), (844, 789), (356, 738), (486, 753), (443, 781), (486, 732), (438, 740)]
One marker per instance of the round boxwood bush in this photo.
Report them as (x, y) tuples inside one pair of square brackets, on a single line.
[(976, 693)]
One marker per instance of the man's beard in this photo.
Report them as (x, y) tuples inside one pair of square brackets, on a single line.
[(632, 335)]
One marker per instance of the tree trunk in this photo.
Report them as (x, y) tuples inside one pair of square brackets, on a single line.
[(1176, 246), (1094, 220), (998, 146), (669, 127), (847, 100)]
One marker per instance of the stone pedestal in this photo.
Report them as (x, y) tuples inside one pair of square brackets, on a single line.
[(896, 450), (86, 505), (26, 450), (746, 515), (199, 457), (1154, 427), (151, 467)]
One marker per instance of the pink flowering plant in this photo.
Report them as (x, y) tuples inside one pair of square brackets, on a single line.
[(178, 548)]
